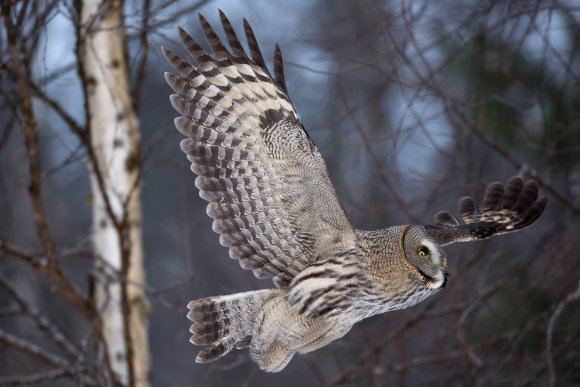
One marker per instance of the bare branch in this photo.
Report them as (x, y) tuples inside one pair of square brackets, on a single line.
[(144, 45), (32, 349), (40, 377), (49, 266), (571, 297), (29, 128), (42, 322)]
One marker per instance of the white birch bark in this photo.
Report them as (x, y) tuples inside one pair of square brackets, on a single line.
[(115, 190)]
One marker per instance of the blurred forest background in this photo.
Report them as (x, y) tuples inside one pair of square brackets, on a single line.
[(413, 104)]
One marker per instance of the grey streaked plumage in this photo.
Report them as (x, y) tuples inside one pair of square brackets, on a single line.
[(276, 210)]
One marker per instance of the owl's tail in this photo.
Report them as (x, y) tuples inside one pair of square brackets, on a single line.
[(221, 323)]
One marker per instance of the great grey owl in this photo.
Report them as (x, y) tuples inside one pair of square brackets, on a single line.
[(276, 210)]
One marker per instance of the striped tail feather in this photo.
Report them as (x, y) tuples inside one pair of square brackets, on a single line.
[(221, 323)]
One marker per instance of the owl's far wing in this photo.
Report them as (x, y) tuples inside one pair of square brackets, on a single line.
[(266, 183), (503, 210)]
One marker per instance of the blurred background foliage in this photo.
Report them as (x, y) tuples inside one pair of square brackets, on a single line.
[(412, 104)]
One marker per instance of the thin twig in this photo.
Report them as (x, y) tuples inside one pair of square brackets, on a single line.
[(142, 66), (32, 349), (573, 296), (40, 377), (30, 131), (43, 323)]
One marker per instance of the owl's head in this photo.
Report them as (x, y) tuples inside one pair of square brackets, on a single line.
[(426, 256)]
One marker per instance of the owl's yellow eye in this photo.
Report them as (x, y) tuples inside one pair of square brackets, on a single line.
[(423, 251)]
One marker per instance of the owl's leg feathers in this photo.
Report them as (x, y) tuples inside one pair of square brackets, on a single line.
[(280, 332), (274, 356), (274, 359), (223, 322), (337, 332), (270, 332)]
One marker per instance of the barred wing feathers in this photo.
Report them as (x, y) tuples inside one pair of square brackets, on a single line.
[(266, 183), (504, 209)]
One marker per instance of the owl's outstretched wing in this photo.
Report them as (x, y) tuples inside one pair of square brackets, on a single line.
[(266, 183), (503, 210)]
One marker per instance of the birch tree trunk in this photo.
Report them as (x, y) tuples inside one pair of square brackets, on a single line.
[(114, 162)]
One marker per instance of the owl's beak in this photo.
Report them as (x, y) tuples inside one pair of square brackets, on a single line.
[(445, 276)]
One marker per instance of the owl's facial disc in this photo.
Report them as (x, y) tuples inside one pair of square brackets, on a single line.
[(427, 258), (440, 261)]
